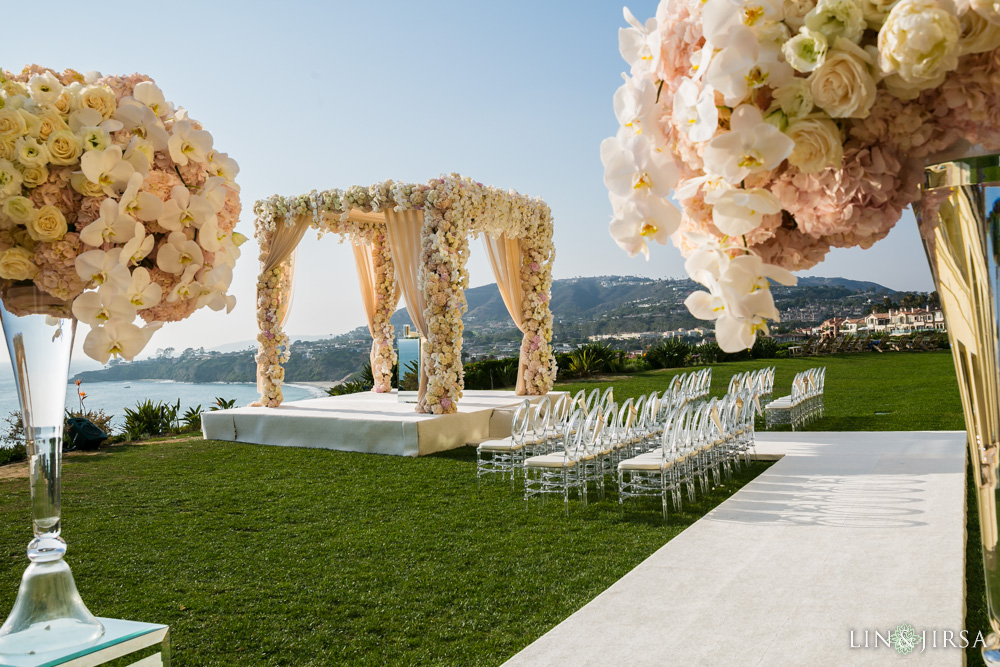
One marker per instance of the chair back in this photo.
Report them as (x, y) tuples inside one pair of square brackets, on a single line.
[(519, 422)]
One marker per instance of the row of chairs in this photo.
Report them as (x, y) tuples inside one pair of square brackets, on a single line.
[(697, 440), (537, 430), (760, 384), (803, 405)]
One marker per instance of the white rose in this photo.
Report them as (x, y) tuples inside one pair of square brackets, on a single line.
[(837, 18), (48, 225), (99, 98), (64, 147), (34, 176), (806, 51), (16, 264), (795, 98), (876, 11), (843, 85), (817, 144), (919, 44), (795, 12), (12, 125), (988, 9), (978, 34), (19, 209)]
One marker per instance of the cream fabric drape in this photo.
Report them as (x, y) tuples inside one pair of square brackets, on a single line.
[(505, 257), (284, 241), (403, 232)]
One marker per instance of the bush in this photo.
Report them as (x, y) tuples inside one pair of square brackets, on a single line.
[(12, 439), (709, 353), (220, 404), (490, 374), (764, 348), (149, 419), (353, 386), (672, 353), (192, 419)]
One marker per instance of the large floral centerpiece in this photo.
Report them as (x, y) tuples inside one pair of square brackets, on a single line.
[(784, 128), (113, 202)]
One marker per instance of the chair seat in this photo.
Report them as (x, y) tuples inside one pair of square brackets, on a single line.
[(641, 463), (505, 445), (556, 460)]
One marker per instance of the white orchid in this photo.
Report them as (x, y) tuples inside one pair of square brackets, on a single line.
[(737, 211), (695, 110), (184, 209), (139, 153), (142, 292), (117, 338), (223, 166), (229, 250), (208, 235), (138, 247), (97, 307), (179, 254), (639, 44), (139, 205), (187, 287), (751, 145), (214, 283), (639, 221), (45, 88), (635, 168), (111, 226), (103, 267), (149, 94), (214, 191), (107, 169), (635, 106), (746, 274), (733, 69), (143, 122), (188, 144)]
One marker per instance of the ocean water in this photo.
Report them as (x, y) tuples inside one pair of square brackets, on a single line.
[(114, 397)]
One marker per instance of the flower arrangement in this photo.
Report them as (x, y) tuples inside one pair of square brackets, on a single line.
[(454, 207), (784, 128), (104, 184)]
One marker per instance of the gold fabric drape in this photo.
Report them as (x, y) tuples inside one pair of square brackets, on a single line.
[(364, 261), (403, 232), (284, 241), (506, 256)]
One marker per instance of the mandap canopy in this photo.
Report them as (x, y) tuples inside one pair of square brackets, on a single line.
[(413, 240)]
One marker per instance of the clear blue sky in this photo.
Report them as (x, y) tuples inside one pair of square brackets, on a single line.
[(329, 94)]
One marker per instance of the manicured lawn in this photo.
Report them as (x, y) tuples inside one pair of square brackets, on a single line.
[(272, 556), (864, 392), (276, 556)]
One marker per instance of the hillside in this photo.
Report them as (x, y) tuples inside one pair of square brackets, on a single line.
[(582, 307)]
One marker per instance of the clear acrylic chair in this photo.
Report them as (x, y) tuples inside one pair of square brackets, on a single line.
[(506, 455)]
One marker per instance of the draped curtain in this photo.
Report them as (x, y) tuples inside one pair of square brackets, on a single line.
[(364, 261), (281, 255), (403, 231), (506, 256)]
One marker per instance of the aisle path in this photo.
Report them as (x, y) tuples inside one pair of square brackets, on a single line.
[(847, 531)]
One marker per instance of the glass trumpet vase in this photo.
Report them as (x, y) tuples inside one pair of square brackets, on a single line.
[(48, 613)]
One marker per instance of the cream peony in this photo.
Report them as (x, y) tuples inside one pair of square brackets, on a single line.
[(842, 86), (16, 264), (48, 225), (837, 18), (817, 144), (919, 44), (806, 51)]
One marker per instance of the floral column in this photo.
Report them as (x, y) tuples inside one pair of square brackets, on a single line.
[(273, 289), (536, 281), (443, 280), (383, 356)]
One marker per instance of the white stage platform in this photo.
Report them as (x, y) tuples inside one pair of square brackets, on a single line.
[(367, 422)]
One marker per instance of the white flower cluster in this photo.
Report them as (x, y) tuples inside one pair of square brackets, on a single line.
[(104, 184), (454, 207), (725, 96)]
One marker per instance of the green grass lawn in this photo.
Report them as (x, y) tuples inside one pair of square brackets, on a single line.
[(276, 556), (864, 392)]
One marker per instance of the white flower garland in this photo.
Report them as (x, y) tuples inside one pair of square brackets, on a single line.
[(453, 208)]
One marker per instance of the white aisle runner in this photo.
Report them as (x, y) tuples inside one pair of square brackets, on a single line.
[(848, 531)]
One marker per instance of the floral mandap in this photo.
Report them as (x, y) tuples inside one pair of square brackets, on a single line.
[(413, 240)]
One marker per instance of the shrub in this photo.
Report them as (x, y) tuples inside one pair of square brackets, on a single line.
[(672, 353), (709, 353), (12, 439), (353, 386), (764, 348), (491, 373), (220, 404), (192, 419), (149, 419)]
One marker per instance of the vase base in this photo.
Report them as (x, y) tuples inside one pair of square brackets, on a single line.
[(48, 614), (991, 651)]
